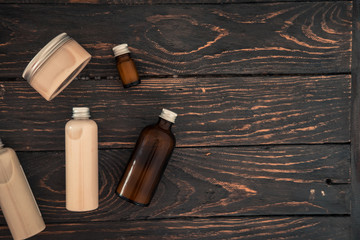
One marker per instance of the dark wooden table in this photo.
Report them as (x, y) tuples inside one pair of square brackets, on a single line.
[(264, 91)]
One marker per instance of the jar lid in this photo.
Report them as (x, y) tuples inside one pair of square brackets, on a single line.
[(168, 115), (121, 49), (43, 55)]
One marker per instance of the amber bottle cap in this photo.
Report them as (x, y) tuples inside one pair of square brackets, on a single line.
[(168, 115), (121, 49)]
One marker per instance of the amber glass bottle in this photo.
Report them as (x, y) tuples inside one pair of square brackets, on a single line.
[(148, 161), (126, 66)]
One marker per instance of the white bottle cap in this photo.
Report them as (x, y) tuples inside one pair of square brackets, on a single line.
[(81, 112), (121, 49), (1, 144), (168, 115)]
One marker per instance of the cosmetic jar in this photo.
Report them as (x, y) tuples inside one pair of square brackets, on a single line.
[(56, 65)]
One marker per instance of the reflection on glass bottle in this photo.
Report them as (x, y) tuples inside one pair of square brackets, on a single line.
[(148, 161)]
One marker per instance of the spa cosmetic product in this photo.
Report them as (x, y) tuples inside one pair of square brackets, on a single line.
[(126, 66), (16, 198), (148, 161), (56, 65), (81, 150)]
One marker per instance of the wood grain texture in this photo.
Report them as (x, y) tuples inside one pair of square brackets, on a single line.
[(335, 228), (311, 37), (355, 125), (217, 184), (207, 182), (212, 111), (152, 2)]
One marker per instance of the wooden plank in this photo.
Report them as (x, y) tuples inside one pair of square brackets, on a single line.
[(207, 182), (355, 125), (250, 228), (271, 38), (150, 2), (212, 111)]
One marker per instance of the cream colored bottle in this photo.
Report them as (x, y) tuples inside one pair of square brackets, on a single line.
[(81, 148), (16, 198)]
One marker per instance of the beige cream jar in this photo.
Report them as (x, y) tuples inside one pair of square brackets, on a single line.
[(56, 65)]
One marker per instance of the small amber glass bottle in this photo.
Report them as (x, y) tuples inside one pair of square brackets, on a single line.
[(148, 161), (126, 66)]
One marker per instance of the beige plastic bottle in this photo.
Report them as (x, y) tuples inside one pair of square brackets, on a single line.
[(81, 148), (16, 198)]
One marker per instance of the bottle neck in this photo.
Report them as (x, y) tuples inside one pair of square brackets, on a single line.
[(123, 57), (166, 125), (80, 118)]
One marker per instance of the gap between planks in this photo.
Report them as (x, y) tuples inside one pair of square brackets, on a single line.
[(85, 78)]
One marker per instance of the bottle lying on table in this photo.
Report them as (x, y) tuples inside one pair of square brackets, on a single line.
[(148, 161), (17, 201)]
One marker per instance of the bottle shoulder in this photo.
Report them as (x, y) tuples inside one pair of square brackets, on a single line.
[(80, 123), (8, 162), (8, 151), (123, 58), (157, 132)]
